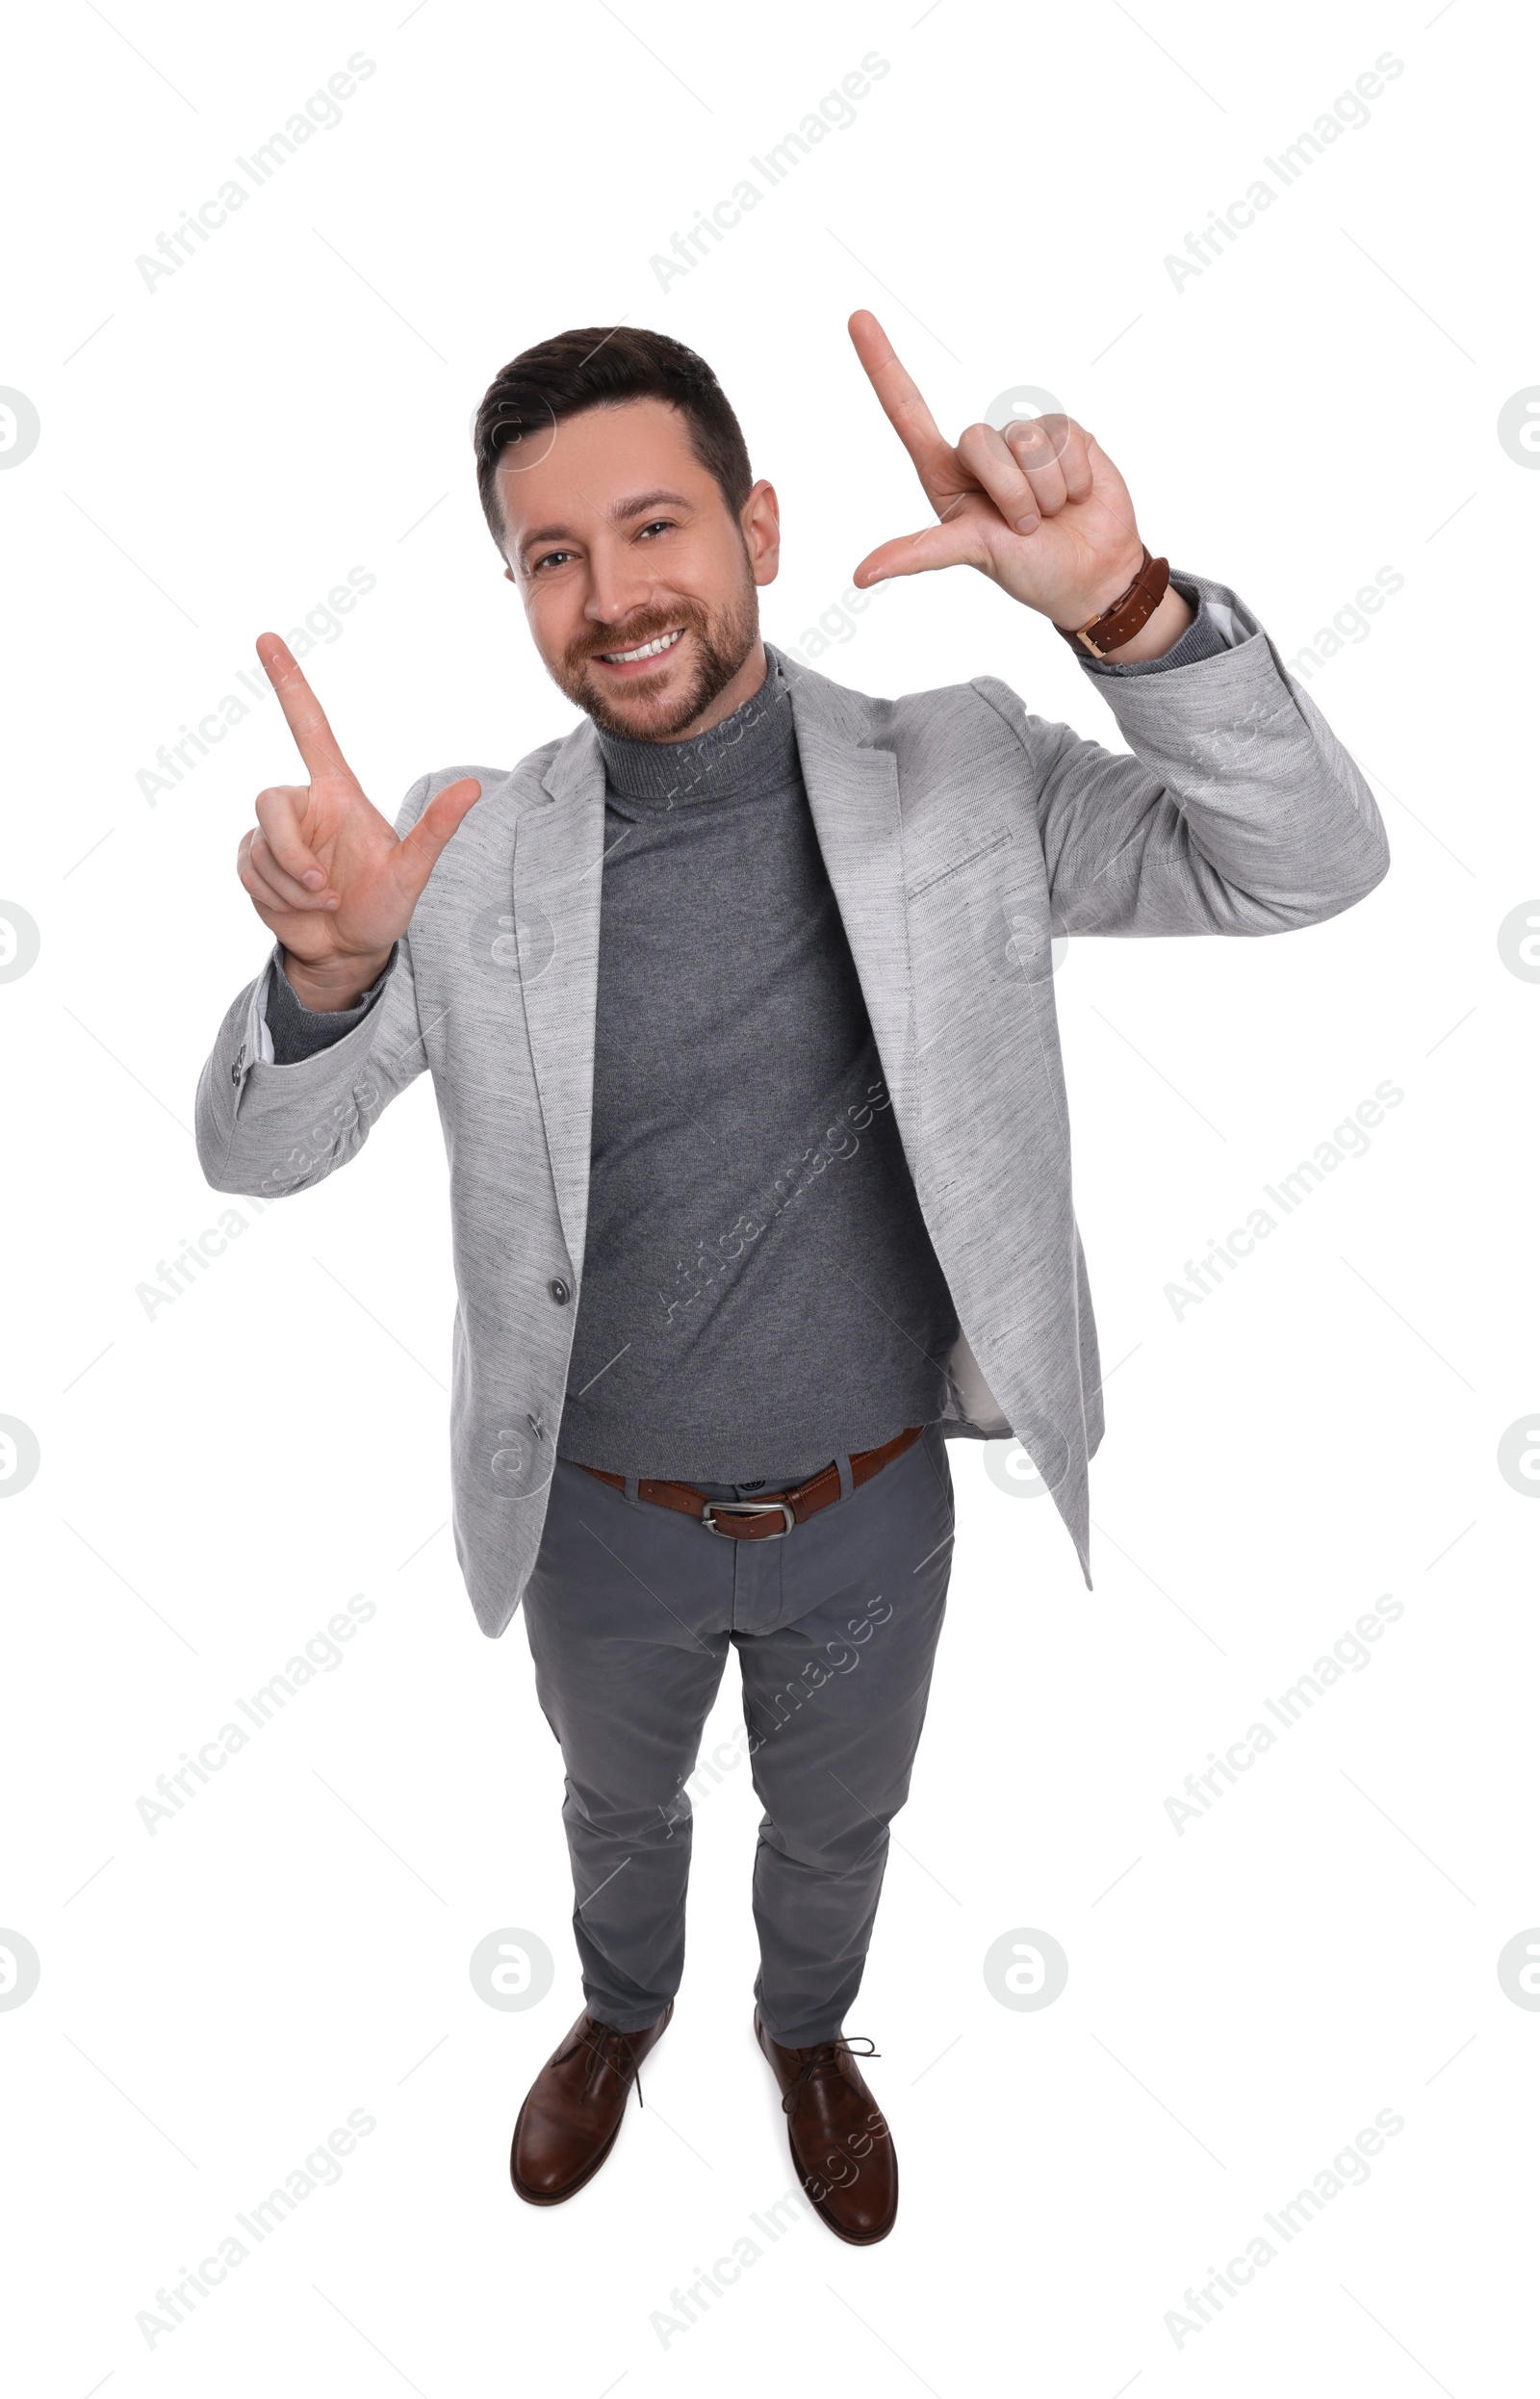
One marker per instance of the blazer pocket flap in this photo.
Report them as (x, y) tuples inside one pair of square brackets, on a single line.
[(962, 847)]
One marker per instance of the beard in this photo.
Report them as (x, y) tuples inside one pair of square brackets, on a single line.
[(722, 639)]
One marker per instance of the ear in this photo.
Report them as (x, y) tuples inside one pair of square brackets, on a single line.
[(761, 521), (508, 574)]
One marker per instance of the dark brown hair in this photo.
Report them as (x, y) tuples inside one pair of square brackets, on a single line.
[(596, 367)]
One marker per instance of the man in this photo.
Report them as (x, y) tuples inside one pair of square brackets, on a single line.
[(738, 1004)]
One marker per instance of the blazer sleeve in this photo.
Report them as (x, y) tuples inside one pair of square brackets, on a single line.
[(267, 1129), (1239, 811)]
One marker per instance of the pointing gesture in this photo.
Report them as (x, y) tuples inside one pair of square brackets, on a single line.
[(325, 871), (1040, 507)]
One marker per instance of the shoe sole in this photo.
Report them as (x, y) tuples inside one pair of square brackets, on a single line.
[(843, 2232), (570, 2190)]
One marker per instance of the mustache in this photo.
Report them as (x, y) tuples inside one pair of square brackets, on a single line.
[(646, 629)]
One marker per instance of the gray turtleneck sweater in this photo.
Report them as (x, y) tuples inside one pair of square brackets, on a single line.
[(758, 1290)]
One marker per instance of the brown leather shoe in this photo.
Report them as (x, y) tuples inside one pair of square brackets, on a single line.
[(841, 2143), (573, 2110)]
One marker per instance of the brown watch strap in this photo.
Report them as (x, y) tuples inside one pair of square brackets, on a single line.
[(1122, 618)]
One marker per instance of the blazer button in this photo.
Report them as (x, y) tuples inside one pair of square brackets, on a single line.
[(558, 1291)]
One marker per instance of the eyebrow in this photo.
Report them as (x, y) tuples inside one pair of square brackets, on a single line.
[(620, 514)]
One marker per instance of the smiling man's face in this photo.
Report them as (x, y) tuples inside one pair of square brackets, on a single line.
[(638, 581)]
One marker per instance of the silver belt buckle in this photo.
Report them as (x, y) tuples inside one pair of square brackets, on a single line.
[(748, 1507)]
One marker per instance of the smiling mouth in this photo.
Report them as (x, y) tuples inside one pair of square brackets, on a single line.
[(647, 649)]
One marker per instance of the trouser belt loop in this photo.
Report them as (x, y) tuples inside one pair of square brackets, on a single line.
[(634, 1489), (847, 1480)]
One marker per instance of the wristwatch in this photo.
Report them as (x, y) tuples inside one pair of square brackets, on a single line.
[(1122, 619)]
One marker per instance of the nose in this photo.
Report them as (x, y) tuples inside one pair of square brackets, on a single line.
[(619, 584)]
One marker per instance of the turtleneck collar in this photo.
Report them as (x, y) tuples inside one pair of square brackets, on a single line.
[(751, 753)]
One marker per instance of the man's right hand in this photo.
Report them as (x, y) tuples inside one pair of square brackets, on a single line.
[(325, 871)]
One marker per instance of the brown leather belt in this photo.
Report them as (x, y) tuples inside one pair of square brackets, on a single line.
[(792, 1508)]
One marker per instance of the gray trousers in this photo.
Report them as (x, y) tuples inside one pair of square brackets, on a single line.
[(631, 1612)]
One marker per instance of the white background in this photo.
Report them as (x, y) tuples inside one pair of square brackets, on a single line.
[(217, 453)]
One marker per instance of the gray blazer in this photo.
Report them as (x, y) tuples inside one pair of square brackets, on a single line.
[(962, 835)]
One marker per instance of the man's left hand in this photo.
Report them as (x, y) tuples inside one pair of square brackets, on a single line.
[(1038, 507)]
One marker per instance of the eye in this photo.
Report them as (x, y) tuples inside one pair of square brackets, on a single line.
[(550, 559), (659, 524)]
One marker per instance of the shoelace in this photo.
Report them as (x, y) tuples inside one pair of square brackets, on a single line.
[(603, 2052), (824, 2059)]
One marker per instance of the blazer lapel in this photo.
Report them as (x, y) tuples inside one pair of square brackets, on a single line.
[(558, 878), (853, 793)]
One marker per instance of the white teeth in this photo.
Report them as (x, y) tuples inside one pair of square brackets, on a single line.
[(648, 649)]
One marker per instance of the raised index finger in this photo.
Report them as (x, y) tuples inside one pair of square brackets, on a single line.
[(900, 394), (314, 737)]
